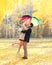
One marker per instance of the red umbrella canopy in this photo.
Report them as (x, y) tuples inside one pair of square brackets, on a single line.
[(26, 18)]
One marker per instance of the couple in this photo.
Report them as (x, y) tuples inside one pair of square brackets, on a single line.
[(25, 37)]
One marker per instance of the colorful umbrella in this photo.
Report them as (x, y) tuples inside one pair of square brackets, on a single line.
[(35, 21), (26, 18)]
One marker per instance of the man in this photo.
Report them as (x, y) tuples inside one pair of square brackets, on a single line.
[(26, 40)]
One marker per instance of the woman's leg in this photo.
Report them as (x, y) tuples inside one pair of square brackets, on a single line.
[(20, 45)]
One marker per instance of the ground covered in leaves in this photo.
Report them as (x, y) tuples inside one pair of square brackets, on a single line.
[(39, 52)]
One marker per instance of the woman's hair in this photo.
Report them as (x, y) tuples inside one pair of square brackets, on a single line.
[(31, 25)]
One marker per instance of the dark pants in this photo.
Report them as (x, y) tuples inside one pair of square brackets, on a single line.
[(25, 49)]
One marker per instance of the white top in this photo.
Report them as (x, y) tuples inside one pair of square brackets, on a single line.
[(22, 35)]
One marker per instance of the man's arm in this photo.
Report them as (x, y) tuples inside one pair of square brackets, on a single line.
[(24, 31)]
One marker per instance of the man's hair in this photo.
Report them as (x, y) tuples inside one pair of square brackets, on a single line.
[(31, 25)]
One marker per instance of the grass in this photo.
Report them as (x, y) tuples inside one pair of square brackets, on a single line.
[(39, 53)]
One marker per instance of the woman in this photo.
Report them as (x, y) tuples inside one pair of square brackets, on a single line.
[(26, 19)]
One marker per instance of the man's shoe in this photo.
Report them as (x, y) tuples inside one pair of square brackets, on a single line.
[(24, 57)]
